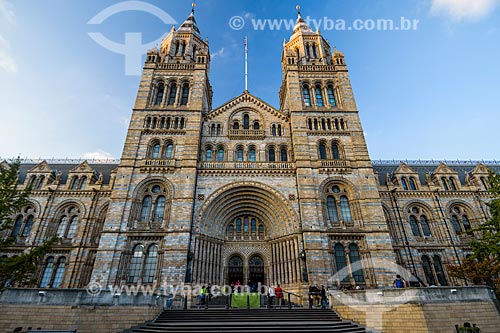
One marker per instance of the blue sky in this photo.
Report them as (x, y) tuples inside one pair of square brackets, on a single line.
[(424, 94)]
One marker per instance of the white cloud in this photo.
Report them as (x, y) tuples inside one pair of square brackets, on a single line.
[(7, 62), (99, 154), (6, 12), (463, 9), (218, 54)]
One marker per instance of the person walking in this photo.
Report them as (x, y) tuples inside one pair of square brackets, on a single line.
[(279, 295), (270, 297)]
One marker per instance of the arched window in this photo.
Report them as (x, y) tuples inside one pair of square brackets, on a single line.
[(61, 229), (331, 207), (261, 230), (17, 226), (425, 226), (445, 184), (74, 183), (159, 93), (273, 130), (413, 184), (322, 151), (438, 268), (335, 151), (208, 154), (319, 96), (135, 264), (239, 155), (354, 258), (404, 183), (272, 155), (310, 124), (150, 264), (307, 95), (485, 183), (155, 151), (466, 224), (236, 125), (429, 276), (31, 183), (252, 155), (456, 224), (341, 262), (279, 130), (453, 185), (218, 130), (28, 226), (146, 206), (415, 230), (47, 272), (220, 155), (253, 225), (345, 209), (331, 96), (284, 155), (159, 211), (83, 183), (256, 125), (40, 182), (173, 93), (185, 94), (58, 276), (246, 121), (238, 225), (73, 226), (169, 149)]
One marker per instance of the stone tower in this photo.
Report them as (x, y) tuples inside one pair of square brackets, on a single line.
[(146, 235), (333, 169)]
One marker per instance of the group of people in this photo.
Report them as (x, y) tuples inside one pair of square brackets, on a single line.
[(274, 293), (318, 297)]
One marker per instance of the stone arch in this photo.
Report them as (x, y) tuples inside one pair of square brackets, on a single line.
[(278, 216), (62, 205), (422, 205)]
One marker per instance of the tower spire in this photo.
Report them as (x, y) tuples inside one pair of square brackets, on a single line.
[(246, 64), (193, 4)]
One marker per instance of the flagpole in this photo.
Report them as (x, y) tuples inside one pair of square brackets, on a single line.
[(246, 64)]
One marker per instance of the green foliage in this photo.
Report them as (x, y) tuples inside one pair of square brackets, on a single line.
[(11, 198), (483, 266), (22, 268)]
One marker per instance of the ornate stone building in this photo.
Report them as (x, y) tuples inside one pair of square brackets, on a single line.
[(247, 191)]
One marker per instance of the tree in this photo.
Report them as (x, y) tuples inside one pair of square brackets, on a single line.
[(483, 265), (19, 269)]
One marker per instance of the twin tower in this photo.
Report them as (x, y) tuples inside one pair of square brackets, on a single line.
[(246, 191)]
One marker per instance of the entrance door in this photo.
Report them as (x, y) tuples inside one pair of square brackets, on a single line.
[(235, 270), (256, 270)]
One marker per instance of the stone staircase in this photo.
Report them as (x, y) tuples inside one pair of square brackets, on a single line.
[(248, 321)]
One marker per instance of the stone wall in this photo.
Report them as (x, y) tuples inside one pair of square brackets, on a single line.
[(435, 310), (75, 309)]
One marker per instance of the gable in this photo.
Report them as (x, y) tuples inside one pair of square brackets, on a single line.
[(42, 167), (83, 167), (443, 169)]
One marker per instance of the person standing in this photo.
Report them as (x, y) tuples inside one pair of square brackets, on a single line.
[(203, 297), (279, 295), (270, 297), (324, 297)]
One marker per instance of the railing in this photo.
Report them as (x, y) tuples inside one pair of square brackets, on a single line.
[(246, 133), (247, 165), (175, 66), (314, 68), (158, 163), (335, 164)]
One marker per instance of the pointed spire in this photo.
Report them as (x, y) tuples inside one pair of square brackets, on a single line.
[(189, 25), (301, 26)]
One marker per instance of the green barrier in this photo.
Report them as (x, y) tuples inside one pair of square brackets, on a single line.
[(240, 300)]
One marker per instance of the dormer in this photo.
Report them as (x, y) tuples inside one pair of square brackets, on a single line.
[(478, 177), (40, 176), (446, 178), (406, 178), (81, 176)]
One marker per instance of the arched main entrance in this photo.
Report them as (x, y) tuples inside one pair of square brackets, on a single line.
[(256, 272), (235, 270)]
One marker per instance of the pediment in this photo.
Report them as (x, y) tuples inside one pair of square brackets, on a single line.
[(443, 169), (83, 167), (248, 101), (404, 169), (480, 169), (42, 167)]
